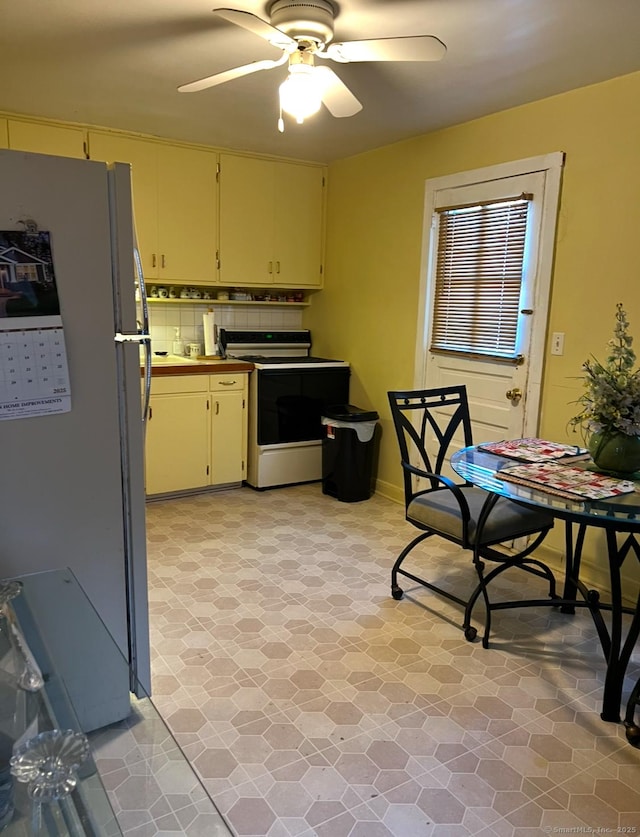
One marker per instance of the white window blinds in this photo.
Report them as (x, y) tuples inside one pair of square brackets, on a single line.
[(479, 273)]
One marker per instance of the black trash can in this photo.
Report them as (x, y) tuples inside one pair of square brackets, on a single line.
[(348, 452)]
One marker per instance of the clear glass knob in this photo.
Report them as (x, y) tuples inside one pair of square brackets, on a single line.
[(28, 674), (49, 761)]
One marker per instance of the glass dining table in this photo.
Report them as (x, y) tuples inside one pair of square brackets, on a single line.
[(617, 623), (81, 755)]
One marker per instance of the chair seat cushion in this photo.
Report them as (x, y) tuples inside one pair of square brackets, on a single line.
[(439, 510)]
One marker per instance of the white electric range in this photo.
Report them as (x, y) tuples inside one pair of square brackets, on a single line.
[(288, 393)]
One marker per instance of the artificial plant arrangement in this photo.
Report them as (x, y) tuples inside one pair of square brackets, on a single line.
[(609, 417)]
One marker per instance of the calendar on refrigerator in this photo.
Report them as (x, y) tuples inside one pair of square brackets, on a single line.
[(34, 375)]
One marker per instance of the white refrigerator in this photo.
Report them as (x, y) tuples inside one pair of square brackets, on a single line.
[(72, 483)]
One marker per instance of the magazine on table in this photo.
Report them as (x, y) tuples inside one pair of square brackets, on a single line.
[(566, 481), (535, 450)]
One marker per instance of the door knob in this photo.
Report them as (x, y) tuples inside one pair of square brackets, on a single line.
[(514, 394)]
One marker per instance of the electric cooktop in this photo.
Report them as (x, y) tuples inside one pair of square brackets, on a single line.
[(279, 359)]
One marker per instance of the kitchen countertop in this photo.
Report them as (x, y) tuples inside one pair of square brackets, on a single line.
[(174, 365)]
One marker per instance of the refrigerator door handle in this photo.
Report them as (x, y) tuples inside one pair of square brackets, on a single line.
[(147, 383), (142, 340), (144, 328), (142, 286), (132, 337)]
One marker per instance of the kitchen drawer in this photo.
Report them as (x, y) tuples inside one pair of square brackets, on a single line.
[(172, 384), (227, 382)]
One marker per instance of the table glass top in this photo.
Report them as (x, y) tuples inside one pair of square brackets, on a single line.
[(136, 778), (482, 469)]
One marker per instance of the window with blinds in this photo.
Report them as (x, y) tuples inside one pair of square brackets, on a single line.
[(479, 274)]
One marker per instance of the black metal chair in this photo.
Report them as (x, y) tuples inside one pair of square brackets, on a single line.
[(457, 511)]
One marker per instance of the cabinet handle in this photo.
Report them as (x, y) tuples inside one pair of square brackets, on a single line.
[(163, 264), (217, 408), (153, 260), (226, 383), (277, 267), (270, 267)]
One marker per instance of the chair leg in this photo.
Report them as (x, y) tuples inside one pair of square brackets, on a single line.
[(396, 591), (522, 561), (541, 570), (470, 633)]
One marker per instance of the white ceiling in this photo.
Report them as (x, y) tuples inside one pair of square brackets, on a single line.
[(117, 63)]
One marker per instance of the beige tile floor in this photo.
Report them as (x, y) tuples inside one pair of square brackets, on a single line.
[(312, 703)]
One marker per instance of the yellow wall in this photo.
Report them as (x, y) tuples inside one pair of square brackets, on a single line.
[(367, 312)]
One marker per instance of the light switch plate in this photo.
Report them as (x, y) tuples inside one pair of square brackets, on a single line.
[(557, 343)]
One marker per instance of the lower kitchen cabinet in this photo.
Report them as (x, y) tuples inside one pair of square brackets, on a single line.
[(196, 433), (228, 428), (177, 444)]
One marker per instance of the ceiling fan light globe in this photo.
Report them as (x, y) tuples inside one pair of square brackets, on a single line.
[(300, 96)]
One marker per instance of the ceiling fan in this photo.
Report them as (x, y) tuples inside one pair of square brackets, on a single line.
[(304, 32)]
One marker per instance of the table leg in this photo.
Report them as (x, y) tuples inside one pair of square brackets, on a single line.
[(618, 653), (571, 565), (632, 729)]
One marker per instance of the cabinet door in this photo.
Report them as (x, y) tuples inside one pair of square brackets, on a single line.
[(46, 139), (143, 156), (246, 221), (299, 201), (4, 134), (227, 423), (187, 223), (177, 443)]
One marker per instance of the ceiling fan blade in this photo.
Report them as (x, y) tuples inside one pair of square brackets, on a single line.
[(258, 26), (229, 75), (336, 96), (410, 48)]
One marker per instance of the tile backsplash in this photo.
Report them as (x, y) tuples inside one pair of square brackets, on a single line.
[(166, 317)]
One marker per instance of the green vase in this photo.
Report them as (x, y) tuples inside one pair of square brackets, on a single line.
[(615, 452)]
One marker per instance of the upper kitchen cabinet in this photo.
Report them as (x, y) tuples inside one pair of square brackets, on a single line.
[(187, 214), (174, 201), (42, 138), (112, 148), (271, 223)]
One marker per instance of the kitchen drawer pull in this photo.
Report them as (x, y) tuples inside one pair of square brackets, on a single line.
[(227, 383)]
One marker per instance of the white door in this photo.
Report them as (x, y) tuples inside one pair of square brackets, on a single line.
[(503, 394)]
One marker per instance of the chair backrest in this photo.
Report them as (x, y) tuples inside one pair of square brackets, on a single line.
[(429, 417)]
